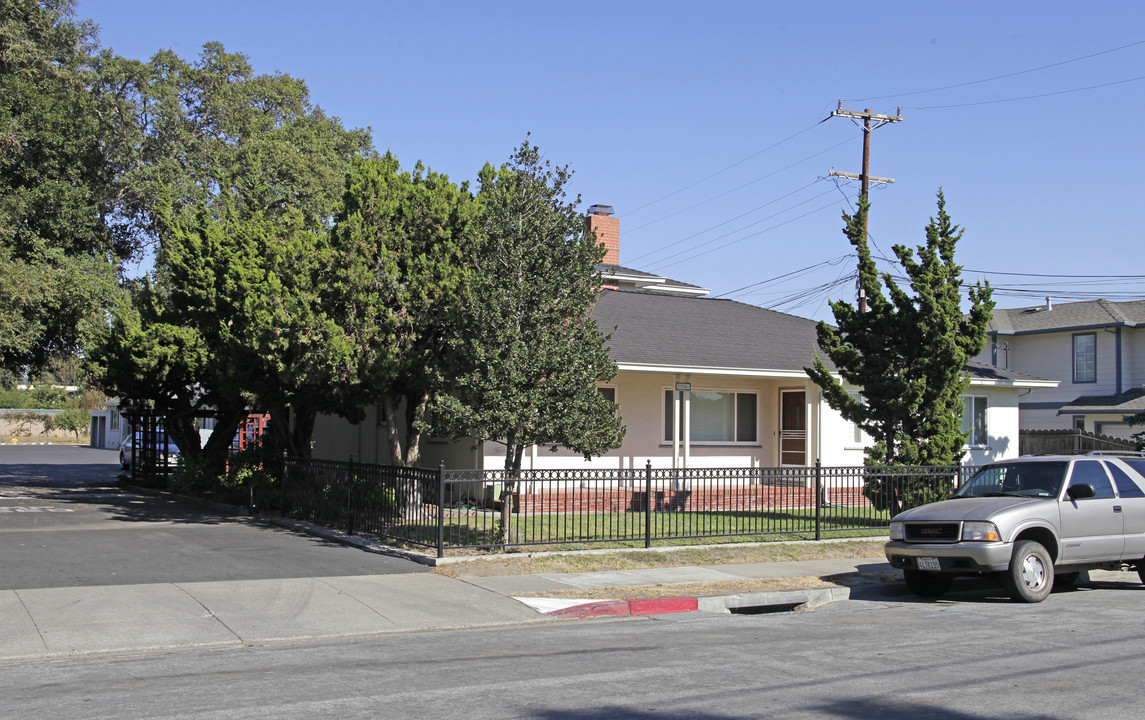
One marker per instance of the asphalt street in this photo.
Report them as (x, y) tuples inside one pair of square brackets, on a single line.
[(64, 523)]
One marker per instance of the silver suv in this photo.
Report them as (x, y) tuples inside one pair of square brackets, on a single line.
[(1033, 521)]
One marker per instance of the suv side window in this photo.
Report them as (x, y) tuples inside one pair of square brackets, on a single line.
[(1091, 471), (1126, 488)]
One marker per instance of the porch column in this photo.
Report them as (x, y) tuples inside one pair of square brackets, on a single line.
[(675, 429), (687, 425)]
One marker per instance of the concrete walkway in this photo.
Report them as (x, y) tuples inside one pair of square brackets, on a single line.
[(48, 623)]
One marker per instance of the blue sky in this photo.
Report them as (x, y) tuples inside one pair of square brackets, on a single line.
[(700, 122)]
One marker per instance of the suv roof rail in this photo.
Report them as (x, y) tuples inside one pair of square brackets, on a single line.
[(1134, 453)]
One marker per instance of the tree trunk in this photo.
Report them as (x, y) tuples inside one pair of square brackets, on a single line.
[(292, 427), (411, 495), (513, 453)]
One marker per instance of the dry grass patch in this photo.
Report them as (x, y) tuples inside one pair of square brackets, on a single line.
[(727, 587), (491, 566)]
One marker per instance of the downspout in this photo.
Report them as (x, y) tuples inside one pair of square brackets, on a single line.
[(1118, 358)]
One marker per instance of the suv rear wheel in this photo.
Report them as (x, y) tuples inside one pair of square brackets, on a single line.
[(1031, 574), (926, 584)]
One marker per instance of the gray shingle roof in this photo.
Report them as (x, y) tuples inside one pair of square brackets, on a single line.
[(983, 371), (1068, 316), (1129, 402), (699, 332), (660, 329)]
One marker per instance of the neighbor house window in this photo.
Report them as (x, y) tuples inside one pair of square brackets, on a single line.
[(114, 419), (1085, 358), (974, 420), (716, 417), (609, 393)]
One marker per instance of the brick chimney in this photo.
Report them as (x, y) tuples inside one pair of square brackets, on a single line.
[(607, 231)]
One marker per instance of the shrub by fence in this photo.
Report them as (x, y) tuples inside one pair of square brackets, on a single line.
[(581, 507)]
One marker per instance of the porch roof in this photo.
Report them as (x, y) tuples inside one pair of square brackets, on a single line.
[(1130, 402)]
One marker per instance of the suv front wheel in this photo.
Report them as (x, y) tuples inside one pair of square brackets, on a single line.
[(1030, 576)]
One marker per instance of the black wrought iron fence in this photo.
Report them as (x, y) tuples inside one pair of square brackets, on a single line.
[(455, 509)]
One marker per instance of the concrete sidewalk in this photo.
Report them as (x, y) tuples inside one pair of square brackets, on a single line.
[(61, 622), (53, 623)]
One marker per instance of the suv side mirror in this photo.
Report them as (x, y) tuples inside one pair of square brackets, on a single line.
[(1080, 491)]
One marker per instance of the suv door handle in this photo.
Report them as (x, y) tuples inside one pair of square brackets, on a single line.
[(1116, 508)]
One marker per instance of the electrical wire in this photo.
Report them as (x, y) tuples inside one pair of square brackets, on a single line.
[(725, 222), (719, 172), (738, 292), (1002, 77), (662, 264), (740, 187), (1029, 97)]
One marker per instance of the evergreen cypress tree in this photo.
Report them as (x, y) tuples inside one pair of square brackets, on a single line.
[(906, 354)]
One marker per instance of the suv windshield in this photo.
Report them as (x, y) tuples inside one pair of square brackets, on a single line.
[(1025, 479)]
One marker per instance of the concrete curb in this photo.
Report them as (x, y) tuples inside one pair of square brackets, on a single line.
[(623, 608), (747, 603)]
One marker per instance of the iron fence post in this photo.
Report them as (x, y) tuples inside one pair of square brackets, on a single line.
[(441, 509), (818, 499), (648, 505), (285, 474), (349, 500)]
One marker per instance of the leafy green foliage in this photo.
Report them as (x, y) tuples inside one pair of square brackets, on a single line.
[(73, 420), (907, 353), (527, 358), (236, 176), (58, 249), (396, 271)]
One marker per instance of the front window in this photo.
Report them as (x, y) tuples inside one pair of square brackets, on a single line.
[(974, 420), (1085, 358), (1030, 479), (716, 417)]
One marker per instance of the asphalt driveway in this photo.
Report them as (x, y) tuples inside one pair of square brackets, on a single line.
[(65, 523)]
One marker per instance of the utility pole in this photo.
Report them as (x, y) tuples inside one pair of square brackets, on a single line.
[(871, 121)]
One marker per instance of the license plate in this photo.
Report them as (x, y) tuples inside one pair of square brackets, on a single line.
[(928, 563)]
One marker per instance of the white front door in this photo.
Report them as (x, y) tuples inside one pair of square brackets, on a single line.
[(793, 427)]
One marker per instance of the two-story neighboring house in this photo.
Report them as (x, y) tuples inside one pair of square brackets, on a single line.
[(1095, 349)]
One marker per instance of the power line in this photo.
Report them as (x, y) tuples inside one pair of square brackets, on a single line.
[(800, 271), (1029, 97), (735, 189), (661, 264), (719, 172), (725, 222), (1002, 77)]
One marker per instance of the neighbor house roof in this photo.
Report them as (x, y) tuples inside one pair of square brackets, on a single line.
[(1127, 403), (640, 280), (1054, 317)]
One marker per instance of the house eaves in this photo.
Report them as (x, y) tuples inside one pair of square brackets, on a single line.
[(706, 370)]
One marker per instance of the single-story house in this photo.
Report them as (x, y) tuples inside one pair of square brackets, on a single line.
[(706, 382)]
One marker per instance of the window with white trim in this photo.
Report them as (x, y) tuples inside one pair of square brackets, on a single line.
[(716, 416), (1085, 358), (974, 420)]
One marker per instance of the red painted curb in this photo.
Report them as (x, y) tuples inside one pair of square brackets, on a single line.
[(598, 609), (621, 608), (653, 606)]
